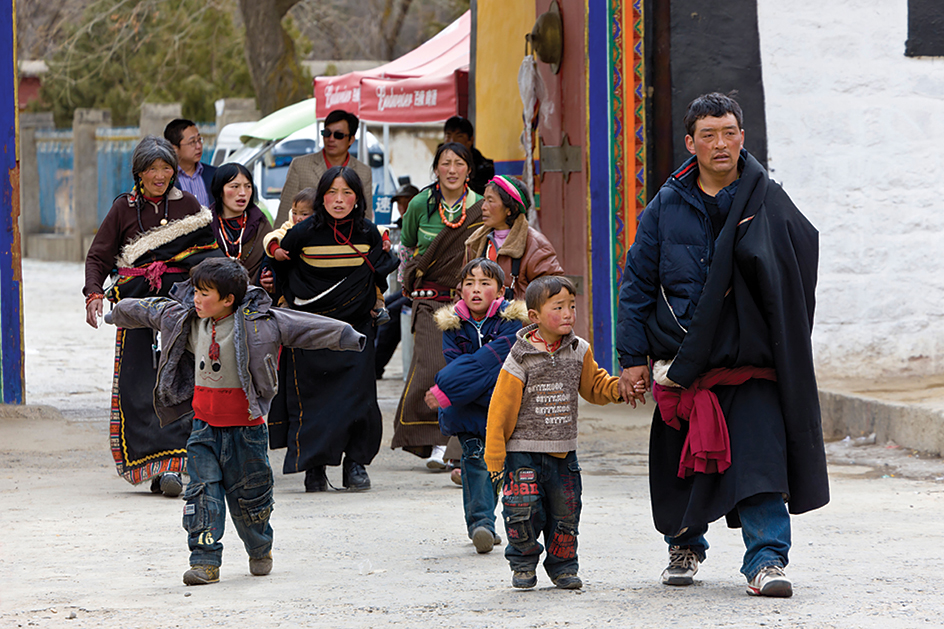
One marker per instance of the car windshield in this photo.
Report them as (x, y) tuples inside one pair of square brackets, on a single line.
[(277, 162)]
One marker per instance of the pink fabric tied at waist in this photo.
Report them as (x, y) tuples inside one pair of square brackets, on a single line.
[(707, 448), (152, 273)]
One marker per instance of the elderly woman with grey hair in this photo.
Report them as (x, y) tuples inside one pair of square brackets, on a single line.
[(149, 240)]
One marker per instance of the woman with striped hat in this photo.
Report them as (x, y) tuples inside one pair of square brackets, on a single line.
[(506, 237)]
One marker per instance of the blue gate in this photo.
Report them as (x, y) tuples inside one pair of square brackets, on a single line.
[(55, 162), (115, 146), (54, 159)]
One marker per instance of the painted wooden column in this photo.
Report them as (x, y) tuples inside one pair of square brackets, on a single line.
[(11, 282), (616, 141)]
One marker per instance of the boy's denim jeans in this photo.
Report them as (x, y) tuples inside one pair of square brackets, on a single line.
[(479, 495), (541, 492), (230, 463), (765, 527)]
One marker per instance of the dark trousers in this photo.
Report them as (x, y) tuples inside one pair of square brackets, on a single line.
[(541, 493), (479, 495), (388, 335), (230, 464)]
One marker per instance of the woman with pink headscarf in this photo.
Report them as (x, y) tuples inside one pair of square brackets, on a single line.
[(523, 252)]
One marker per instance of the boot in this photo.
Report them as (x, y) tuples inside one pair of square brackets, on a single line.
[(354, 476), (315, 479), (171, 484)]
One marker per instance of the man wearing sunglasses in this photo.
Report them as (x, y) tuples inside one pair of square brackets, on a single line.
[(305, 171), (193, 176)]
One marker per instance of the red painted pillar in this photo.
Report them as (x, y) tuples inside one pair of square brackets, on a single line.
[(563, 217)]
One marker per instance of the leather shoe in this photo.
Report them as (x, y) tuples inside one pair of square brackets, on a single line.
[(315, 479), (354, 476)]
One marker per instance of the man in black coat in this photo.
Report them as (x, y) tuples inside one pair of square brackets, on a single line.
[(193, 176), (717, 296), (459, 129)]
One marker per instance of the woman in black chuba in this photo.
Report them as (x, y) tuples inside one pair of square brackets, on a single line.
[(327, 401)]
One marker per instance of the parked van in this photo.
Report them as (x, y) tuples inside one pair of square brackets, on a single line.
[(228, 141)]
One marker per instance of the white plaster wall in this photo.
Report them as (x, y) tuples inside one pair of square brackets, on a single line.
[(854, 135), (412, 148)]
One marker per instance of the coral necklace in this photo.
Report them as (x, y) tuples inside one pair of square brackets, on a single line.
[(238, 243), (443, 208), (536, 337)]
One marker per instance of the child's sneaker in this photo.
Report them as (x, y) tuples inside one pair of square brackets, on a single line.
[(456, 476), (202, 575), (435, 461), (770, 581), (683, 564), (382, 317), (524, 579), (568, 582), (259, 567), (483, 540), (171, 484)]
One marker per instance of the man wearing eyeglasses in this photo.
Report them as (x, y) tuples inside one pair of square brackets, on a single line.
[(193, 176), (305, 171)]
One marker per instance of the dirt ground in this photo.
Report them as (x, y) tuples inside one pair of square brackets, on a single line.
[(83, 548)]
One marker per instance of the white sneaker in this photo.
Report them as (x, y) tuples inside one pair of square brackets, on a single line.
[(770, 581), (683, 564), (436, 462)]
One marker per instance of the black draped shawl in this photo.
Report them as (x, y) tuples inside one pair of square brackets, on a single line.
[(756, 309), (327, 276)]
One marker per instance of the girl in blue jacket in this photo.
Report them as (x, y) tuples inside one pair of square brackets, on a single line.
[(478, 333)]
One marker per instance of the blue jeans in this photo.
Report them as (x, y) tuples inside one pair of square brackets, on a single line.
[(479, 495), (765, 527), (230, 463), (541, 493)]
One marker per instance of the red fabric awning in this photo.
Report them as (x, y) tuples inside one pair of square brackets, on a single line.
[(426, 99), (427, 84)]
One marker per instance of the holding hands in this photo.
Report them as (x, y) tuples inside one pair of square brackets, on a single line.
[(633, 384)]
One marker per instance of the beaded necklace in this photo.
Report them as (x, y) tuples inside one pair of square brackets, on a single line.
[(156, 201), (444, 208), (238, 242), (536, 337)]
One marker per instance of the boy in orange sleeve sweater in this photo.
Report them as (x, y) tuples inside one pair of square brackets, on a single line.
[(531, 436)]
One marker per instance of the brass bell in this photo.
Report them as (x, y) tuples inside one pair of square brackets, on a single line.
[(547, 37)]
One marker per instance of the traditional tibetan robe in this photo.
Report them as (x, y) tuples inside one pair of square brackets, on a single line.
[(327, 401), (143, 258)]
